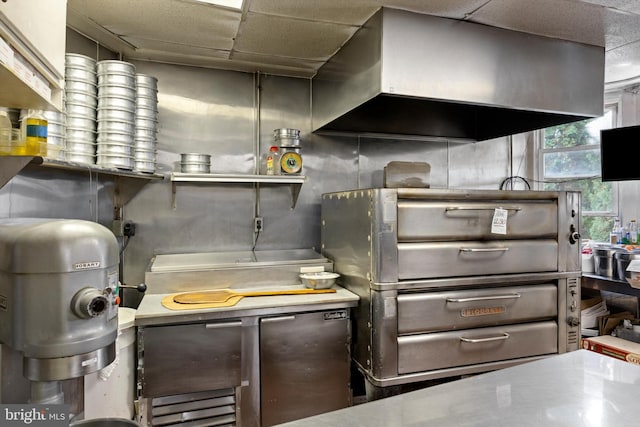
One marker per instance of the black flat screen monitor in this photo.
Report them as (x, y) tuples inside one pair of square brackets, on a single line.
[(616, 145)]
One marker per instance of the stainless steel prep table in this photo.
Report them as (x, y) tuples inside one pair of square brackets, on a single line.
[(152, 312), (579, 388), (244, 364)]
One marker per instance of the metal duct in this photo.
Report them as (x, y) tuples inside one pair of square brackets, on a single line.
[(412, 74)]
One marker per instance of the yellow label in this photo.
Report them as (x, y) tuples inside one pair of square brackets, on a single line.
[(483, 311)]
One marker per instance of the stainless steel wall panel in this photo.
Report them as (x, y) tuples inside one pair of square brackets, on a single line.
[(485, 164), (445, 259), (215, 111), (45, 193), (375, 153)]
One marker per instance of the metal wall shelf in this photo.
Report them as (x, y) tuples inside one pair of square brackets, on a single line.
[(126, 183), (295, 181)]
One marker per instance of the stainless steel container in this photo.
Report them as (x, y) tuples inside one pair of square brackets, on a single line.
[(84, 159), (80, 74), (108, 102), (124, 91), (115, 161), (80, 109), (57, 282), (80, 61), (195, 163), (286, 137), (120, 114), (86, 98), (147, 82), (604, 263), (622, 259), (113, 149), (146, 113), (116, 126)]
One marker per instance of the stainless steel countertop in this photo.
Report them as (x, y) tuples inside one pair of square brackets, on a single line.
[(580, 388), (152, 312)]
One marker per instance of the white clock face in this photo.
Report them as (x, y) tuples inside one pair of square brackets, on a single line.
[(290, 162)]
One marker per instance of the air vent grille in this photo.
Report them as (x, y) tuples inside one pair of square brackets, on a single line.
[(209, 408)]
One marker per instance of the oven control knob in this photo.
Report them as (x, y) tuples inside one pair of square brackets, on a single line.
[(573, 321), (574, 236), (573, 306)]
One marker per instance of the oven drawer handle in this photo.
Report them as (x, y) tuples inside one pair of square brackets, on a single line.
[(502, 337), (488, 208), (490, 297), (484, 249)]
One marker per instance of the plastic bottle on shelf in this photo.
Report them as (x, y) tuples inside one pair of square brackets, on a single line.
[(615, 236), (33, 128), (5, 132), (273, 161), (633, 231)]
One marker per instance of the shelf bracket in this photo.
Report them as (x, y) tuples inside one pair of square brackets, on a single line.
[(295, 192), (125, 188), (10, 166), (174, 204)]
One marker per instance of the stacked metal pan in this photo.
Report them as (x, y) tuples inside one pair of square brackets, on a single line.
[(55, 135), (80, 102), (146, 123), (116, 114), (195, 163)]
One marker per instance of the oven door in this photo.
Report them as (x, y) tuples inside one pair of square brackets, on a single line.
[(439, 350), (422, 312), (474, 258)]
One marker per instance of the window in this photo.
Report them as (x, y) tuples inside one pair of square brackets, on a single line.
[(570, 160)]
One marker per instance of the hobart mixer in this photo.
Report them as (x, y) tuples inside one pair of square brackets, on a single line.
[(58, 300)]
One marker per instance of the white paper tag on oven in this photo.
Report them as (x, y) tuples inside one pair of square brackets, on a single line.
[(499, 222)]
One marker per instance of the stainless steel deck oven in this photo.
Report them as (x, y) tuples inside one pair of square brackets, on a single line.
[(454, 282)]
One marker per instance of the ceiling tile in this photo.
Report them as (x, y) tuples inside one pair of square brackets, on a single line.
[(188, 23), (273, 35), (353, 12), (163, 46), (622, 63), (456, 9), (568, 20), (621, 28), (632, 6), (305, 66)]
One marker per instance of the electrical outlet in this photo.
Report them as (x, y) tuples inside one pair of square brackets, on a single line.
[(258, 224), (129, 229)]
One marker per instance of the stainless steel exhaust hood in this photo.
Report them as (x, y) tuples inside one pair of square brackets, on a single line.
[(412, 74)]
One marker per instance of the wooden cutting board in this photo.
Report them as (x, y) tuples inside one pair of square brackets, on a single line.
[(225, 297), (169, 303), (222, 295)]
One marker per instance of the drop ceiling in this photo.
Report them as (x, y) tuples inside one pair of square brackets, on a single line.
[(295, 37)]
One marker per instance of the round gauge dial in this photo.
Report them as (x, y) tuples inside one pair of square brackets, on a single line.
[(290, 162)]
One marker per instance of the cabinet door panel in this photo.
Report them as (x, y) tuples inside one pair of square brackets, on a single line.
[(304, 365), (182, 359)]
